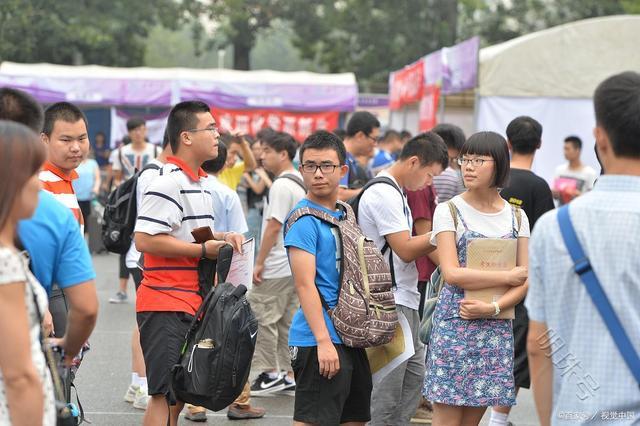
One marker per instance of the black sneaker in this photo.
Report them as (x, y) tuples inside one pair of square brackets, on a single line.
[(289, 386), (263, 385)]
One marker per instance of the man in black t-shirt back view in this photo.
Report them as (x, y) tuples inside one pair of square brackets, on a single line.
[(531, 193)]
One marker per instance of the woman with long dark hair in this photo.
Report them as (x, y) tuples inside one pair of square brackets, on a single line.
[(26, 390)]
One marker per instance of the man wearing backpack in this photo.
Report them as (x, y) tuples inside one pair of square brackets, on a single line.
[(273, 297), (174, 206), (384, 216), (333, 381), (578, 365)]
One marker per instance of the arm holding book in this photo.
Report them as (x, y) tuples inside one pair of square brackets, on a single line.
[(473, 279)]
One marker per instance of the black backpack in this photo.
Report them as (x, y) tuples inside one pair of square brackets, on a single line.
[(215, 359), (120, 213), (354, 202)]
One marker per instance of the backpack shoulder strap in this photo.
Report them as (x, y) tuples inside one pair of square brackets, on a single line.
[(295, 179), (309, 211), (582, 267), (381, 179), (454, 213)]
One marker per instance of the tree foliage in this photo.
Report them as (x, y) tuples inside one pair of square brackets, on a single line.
[(73, 32)]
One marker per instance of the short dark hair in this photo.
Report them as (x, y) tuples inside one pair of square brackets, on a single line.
[(322, 139), (389, 135), (575, 141), (428, 147), (135, 122), (495, 146), (452, 135), (264, 134), (283, 142), (183, 117), (525, 134), (217, 164), (18, 106), (63, 111), (362, 121), (617, 107), (405, 134)]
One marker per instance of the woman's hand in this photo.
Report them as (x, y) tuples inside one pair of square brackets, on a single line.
[(476, 309)]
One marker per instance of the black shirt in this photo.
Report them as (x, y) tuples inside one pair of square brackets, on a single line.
[(529, 192)]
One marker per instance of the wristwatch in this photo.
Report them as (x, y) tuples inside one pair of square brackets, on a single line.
[(497, 307)]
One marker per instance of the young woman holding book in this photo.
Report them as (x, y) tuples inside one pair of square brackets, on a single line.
[(470, 354)]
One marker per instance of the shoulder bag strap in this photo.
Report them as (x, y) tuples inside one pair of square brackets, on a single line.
[(582, 267)]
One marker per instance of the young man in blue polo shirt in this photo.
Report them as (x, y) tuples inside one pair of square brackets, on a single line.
[(333, 382), (58, 252), (363, 130)]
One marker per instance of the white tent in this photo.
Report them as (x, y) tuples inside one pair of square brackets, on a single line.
[(551, 75)]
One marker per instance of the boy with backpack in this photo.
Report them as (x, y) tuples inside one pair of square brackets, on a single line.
[(333, 379), (174, 210), (273, 297), (385, 217)]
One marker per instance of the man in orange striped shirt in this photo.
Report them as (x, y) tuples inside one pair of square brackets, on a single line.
[(67, 140)]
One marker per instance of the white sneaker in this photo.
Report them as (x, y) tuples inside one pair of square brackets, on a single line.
[(142, 400), (130, 396)]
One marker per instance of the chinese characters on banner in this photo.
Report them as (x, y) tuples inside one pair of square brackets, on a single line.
[(406, 85), (298, 124), (429, 107)]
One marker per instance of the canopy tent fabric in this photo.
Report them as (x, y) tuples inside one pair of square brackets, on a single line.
[(567, 61), (93, 84)]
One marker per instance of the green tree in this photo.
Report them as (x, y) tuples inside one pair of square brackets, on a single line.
[(235, 23), (371, 37), (76, 32)]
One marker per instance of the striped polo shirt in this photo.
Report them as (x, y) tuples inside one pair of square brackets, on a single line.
[(59, 184), (175, 203)]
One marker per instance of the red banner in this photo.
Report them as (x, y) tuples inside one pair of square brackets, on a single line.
[(406, 86), (429, 107), (298, 124)]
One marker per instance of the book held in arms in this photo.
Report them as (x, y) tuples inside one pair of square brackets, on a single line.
[(491, 254)]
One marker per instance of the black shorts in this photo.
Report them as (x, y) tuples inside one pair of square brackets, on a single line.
[(344, 398), (123, 270), (520, 361), (161, 337)]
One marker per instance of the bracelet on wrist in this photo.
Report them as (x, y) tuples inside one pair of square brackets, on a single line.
[(497, 309), (204, 251)]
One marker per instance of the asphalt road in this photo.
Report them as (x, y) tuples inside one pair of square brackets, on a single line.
[(106, 370)]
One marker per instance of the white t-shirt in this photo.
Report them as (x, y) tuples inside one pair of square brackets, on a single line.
[(585, 178), (144, 180), (133, 160), (383, 211), (491, 225), (284, 194), (227, 209)]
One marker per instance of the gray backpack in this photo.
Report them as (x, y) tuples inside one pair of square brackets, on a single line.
[(365, 315)]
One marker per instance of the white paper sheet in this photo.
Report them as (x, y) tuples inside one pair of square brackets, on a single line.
[(241, 270), (384, 359)]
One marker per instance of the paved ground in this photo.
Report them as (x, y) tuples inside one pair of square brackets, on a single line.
[(105, 373)]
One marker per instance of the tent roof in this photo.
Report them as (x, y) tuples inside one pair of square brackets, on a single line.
[(567, 61), (145, 73)]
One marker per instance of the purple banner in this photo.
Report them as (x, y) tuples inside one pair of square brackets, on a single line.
[(454, 69), (288, 97), (93, 91), (373, 101), (460, 66)]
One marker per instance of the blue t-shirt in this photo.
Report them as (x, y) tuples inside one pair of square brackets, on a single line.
[(83, 186), (381, 161), (55, 245), (318, 238), (355, 177)]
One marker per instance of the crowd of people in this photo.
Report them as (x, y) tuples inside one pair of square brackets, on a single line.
[(422, 200)]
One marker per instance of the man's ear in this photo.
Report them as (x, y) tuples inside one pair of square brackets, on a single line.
[(44, 138), (602, 141), (185, 138), (343, 170)]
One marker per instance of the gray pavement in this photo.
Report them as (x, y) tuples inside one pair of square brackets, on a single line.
[(106, 370)]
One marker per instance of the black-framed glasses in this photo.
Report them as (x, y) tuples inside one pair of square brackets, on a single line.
[(325, 168), (211, 129), (476, 162)]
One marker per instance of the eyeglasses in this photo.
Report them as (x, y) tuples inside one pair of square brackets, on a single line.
[(476, 162), (372, 138), (326, 169), (211, 129)]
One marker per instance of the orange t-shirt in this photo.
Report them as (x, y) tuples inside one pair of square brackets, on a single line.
[(59, 184)]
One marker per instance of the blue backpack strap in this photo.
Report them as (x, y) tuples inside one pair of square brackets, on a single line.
[(582, 267)]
